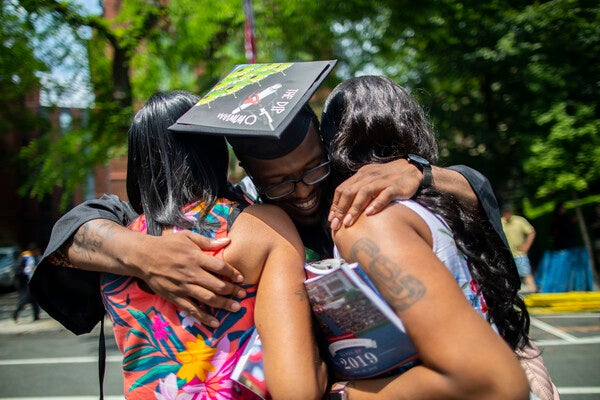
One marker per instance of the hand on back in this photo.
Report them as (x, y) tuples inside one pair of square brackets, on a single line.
[(175, 267)]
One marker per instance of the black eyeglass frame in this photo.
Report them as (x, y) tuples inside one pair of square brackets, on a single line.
[(294, 182)]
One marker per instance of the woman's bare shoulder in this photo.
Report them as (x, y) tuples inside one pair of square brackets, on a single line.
[(259, 232), (395, 221)]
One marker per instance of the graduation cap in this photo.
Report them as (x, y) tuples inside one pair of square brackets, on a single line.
[(255, 100), (269, 148)]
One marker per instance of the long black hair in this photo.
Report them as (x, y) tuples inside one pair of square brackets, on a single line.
[(168, 170), (372, 119)]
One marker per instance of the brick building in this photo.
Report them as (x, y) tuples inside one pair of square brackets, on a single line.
[(23, 220)]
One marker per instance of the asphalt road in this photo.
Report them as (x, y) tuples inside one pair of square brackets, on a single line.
[(41, 360)]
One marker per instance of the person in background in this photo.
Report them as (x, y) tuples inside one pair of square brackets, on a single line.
[(520, 235), (180, 183), (27, 264)]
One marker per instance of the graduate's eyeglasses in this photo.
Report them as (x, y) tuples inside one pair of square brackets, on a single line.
[(287, 187)]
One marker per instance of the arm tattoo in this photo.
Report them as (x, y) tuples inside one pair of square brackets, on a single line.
[(91, 236), (404, 290), (302, 295)]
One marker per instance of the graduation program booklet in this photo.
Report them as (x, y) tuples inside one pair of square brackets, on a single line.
[(249, 371), (255, 99), (365, 336)]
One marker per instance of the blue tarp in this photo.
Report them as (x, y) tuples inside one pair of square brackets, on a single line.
[(565, 270)]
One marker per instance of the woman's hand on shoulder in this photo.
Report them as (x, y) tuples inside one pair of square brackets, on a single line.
[(371, 189)]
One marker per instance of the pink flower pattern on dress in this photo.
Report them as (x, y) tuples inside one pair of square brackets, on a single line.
[(159, 328)]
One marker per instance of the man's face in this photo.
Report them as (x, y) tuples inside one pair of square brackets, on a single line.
[(507, 214), (304, 203)]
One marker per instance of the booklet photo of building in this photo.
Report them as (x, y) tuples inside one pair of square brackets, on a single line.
[(365, 337), (249, 371)]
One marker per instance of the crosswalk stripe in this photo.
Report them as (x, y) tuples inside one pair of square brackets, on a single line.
[(552, 330), (58, 360), (579, 390), (64, 398)]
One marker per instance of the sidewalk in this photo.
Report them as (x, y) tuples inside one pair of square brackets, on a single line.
[(25, 323)]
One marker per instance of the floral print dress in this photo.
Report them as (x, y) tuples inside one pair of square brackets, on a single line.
[(167, 354)]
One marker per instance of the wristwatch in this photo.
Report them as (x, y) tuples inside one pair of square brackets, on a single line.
[(424, 166), (338, 391)]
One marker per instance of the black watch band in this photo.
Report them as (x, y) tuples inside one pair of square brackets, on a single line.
[(424, 166)]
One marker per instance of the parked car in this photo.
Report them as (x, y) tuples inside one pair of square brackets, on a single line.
[(9, 260)]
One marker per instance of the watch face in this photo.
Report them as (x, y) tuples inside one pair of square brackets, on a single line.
[(417, 159)]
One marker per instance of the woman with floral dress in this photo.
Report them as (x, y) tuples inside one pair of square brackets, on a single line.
[(180, 182)]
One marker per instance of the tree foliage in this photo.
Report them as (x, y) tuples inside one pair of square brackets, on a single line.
[(18, 68), (506, 83), (567, 160)]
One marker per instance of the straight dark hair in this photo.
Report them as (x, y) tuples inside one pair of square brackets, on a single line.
[(168, 170), (372, 119)]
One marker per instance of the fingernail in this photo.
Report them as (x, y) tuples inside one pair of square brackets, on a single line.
[(241, 293), (369, 210), (234, 307), (239, 278), (348, 220), (214, 323), (330, 216), (220, 240), (335, 224)]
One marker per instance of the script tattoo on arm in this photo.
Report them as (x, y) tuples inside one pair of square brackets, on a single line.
[(89, 237), (302, 295), (404, 289)]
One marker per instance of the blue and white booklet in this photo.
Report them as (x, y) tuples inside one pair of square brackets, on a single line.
[(365, 336)]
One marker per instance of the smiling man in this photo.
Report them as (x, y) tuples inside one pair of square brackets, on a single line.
[(292, 173)]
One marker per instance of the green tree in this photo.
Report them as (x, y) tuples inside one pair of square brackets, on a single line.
[(18, 68), (64, 159), (485, 70), (567, 161), (150, 46)]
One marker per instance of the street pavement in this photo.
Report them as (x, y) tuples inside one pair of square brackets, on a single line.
[(570, 342)]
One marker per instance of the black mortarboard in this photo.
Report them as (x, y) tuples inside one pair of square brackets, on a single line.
[(256, 101), (268, 148)]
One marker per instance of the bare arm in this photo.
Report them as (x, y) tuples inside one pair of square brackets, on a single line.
[(173, 266), (293, 368), (462, 357), (528, 242), (375, 185)]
